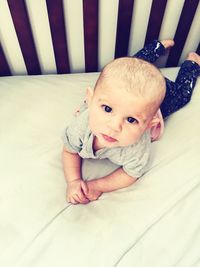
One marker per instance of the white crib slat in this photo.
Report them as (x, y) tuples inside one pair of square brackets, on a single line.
[(42, 36), (9, 41), (170, 23), (171, 19), (140, 18), (108, 11), (192, 41), (73, 11), (182, 31)]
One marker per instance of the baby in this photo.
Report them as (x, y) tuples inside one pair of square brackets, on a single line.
[(116, 123)]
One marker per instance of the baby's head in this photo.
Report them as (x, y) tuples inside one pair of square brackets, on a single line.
[(126, 97)]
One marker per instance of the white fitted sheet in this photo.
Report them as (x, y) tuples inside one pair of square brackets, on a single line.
[(155, 222)]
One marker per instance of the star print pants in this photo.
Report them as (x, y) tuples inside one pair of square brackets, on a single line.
[(178, 93)]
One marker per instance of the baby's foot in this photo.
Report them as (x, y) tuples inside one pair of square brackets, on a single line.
[(194, 57), (168, 43)]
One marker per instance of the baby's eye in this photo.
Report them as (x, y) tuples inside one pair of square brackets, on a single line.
[(107, 108), (131, 120)]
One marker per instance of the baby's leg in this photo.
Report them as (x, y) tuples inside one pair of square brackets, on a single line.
[(152, 51), (179, 93)]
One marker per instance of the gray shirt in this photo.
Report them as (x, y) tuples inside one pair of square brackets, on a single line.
[(133, 159)]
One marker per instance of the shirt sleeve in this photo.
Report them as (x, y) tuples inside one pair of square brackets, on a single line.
[(135, 164), (74, 133)]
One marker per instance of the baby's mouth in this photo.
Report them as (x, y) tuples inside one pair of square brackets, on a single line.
[(109, 138)]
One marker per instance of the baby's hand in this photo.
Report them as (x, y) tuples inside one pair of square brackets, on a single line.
[(75, 192), (92, 193)]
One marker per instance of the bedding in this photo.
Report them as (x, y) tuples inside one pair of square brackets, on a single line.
[(155, 222)]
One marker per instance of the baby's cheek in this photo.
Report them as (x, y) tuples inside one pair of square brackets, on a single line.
[(131, 137), (93, 124)]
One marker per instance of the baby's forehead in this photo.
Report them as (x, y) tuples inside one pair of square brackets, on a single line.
[(114, 86), (124, 89), (123, 97)]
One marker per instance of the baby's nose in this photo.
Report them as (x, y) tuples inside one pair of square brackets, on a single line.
[(115, 124)]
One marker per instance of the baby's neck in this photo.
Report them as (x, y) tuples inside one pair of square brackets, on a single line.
[(96, 145)]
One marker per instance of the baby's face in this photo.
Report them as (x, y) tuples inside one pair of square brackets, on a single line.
[(117, 117)]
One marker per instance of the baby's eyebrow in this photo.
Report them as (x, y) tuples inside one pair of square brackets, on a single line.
[(102, 100), (141, 118), (144, 120)]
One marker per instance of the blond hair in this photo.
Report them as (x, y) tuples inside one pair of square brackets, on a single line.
[(138, 76)]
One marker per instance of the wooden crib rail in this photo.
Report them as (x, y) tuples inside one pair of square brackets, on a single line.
[(62, 51)]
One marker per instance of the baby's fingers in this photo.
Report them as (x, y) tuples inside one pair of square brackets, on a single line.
[(77, 198), (82, 198), (84, 188), (73, 199)]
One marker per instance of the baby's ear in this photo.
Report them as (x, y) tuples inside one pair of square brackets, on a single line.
[(89, 95), (154, 121)]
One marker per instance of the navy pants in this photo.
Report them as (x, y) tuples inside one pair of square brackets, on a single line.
[(178, 93)]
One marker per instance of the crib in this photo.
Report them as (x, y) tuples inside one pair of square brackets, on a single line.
[(50, 52), (42, 37)]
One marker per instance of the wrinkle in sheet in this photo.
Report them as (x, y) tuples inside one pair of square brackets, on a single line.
[(44, 228)]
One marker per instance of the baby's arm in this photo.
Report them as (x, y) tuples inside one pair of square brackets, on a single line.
[(116, 180), (72, 171)]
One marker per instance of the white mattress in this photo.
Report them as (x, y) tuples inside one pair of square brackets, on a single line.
[(153, 223)]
